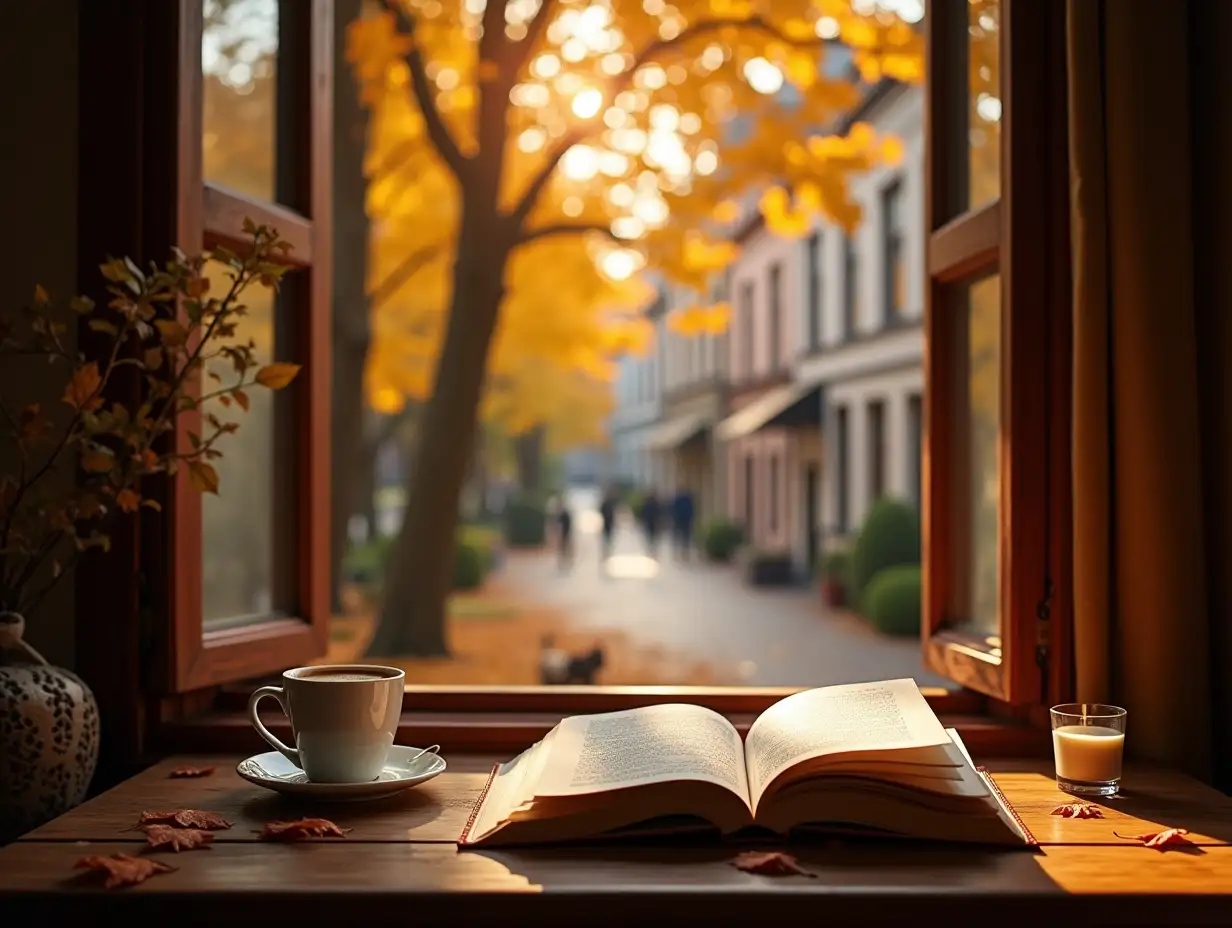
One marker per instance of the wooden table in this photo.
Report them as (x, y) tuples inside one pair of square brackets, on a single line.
[(399, 863)]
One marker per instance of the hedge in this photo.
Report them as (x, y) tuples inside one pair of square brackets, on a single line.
[(893, 600), (889, 537), (720, 539)]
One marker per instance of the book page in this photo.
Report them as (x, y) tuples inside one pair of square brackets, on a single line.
[(838, 719), (657, 744)]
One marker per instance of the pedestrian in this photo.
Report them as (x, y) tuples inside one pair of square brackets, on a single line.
[(682, 523), (564, 535), (652, 515), (607, 511)]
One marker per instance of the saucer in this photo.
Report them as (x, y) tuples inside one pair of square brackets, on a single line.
[(273, 771)]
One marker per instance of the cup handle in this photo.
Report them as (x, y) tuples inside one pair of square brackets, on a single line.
[(278, 693)]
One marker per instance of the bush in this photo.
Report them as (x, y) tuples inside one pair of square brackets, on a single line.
[(365, 565), (889, 537), (893, 600), (720, 539), (486, 540), (468, 566), (526, 522)]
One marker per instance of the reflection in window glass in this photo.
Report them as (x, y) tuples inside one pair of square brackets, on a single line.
[(239, 48), (978, 496), (242, 575), (984, 85)]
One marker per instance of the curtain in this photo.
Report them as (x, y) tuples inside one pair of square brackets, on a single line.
[(1151, 213)]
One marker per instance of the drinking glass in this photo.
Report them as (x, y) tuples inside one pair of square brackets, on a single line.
[(1088, 741)]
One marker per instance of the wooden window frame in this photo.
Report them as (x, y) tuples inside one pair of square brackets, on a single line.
[(1023, 236), (210, 215)]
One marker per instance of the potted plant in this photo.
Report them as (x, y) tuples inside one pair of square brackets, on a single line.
[(157, 331), (834, 578)]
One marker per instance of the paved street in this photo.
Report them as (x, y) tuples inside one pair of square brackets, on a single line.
[(759, 636)]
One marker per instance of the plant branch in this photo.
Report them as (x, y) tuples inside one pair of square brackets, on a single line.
[(567, 228), (407, 268), (438, 132), (624, 80)]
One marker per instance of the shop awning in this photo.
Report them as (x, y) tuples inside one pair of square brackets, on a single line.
[(673, 433), (793, 405)]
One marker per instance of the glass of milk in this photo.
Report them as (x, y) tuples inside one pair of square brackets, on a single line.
[(1088, 740)]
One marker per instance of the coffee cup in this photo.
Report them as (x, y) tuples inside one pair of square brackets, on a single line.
[(343, 719)]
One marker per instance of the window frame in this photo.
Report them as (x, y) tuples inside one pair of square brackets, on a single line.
[(210, 215), (774, 315), (814, 248), (1023, 236), (875, 446), (892, 249), (851, 289)]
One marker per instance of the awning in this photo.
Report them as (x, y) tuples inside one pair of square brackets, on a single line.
[(675, 432), (792, 405)]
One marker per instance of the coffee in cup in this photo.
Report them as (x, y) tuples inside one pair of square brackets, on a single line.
[(343, 719)]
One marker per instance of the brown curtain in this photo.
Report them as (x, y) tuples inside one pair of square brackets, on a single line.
[(1151, 197)]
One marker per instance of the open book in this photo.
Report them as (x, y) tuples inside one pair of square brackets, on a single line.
[(868, 758)]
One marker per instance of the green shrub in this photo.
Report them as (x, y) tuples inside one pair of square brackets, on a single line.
[(889, 537), (892, 602), (365, 564), (720, 539), (468, 566), (483, 538), (835, 566), (526, 522)]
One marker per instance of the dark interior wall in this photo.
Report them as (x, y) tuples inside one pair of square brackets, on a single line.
[(38, 206)]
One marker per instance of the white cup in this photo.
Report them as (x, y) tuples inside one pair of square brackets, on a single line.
[(343, 718)]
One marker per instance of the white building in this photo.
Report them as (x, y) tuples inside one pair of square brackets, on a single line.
[(863, 327), (639, 391)]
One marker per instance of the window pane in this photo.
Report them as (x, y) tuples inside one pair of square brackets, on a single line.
[(978, 420), (984, 86), (246, 573), (239, 51)]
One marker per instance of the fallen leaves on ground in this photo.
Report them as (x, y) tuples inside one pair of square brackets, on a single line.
[(769, 863), (302, 830), (1079, 810), (184, 818), (185, 771), (123, 870), (1161, 840), (177, 839)]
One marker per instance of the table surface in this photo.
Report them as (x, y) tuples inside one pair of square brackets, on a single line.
[(400, 856)]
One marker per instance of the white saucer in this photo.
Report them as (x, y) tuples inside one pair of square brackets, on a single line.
[(273, 771)]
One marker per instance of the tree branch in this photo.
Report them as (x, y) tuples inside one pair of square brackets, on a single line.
[(624, 80), (396, 279), (567, 228), (438, 132), (537, 26)]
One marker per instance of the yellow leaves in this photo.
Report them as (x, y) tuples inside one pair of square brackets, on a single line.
[(783, 217), (802, 69), (276, 376), (41, 297), (726, 211), (202, 477), (892, 150), (701, 254), (387, 401), (700, 320), (82, 390)]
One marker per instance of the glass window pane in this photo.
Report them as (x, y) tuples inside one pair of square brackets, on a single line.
[(984, 95), (239, 51), (246, 571), (977, 423)]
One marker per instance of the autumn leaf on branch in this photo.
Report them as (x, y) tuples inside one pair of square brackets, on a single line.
[(82, 389), (177, 839), (1161, 840), (123, 869), (185, 818), (277, 376), (770, 863), (302, 830), (189, 770), (1079, 810), (203, 477)]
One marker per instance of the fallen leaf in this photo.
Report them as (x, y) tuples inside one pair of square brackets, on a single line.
[(123, 870), (188, 770), (1079, 810), (177, 839), (1160, 840), (769, 863), (302, 829), (185, 818)]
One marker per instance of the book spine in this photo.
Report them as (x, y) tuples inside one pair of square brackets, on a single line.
[(464, 839), (1007, 806)]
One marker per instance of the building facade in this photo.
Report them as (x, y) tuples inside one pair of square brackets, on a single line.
[(638, 407)]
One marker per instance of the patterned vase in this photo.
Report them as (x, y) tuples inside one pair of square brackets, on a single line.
[(48, 735)]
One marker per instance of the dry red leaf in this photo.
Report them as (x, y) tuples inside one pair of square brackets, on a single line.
[(302, 830), (1079, 810), (769, 863), (177, 839), (188, 770), (123, 870), (1169, 837), (185, 818)]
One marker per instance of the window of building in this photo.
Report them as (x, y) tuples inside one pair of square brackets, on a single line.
[(894, 255), (774, 494), (748, 335), (876, 450), (842, 475), (814, 307), (851, 288), (915, 442), (750, 497), (774, 286)]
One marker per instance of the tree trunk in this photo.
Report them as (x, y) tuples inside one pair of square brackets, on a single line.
[(420, 573), (528, 454), (350, 300)]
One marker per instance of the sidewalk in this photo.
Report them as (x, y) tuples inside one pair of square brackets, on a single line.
[(751, 636)]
